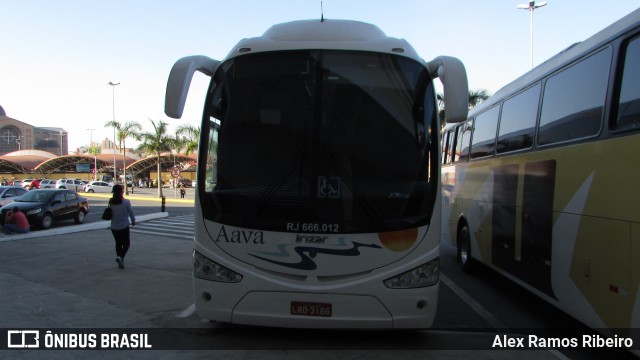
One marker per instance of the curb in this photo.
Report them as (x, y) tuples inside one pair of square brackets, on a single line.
[(77, 228), (134, 197)]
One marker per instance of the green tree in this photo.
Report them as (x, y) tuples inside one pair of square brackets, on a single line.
[(155, 143), (130, 129), (475, 98), (190, 140)]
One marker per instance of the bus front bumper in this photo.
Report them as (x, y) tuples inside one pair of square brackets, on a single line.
[(388, 309)]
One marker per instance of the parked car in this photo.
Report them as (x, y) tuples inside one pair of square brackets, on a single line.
[(31, 183), (43, 207), (9, 193), (70, 184), (98, 187), (185, 182), (26, 183), (48, 184)]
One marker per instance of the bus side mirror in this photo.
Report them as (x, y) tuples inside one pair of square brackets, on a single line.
[(453, 76), (180, 80)]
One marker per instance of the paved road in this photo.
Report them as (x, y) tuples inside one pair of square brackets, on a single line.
[(66, 280)]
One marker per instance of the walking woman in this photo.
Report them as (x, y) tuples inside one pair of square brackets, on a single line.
[(122, 211)]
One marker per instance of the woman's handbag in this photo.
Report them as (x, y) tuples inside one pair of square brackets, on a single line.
[(107, 214)]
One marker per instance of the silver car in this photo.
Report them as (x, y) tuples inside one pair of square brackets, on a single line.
[(98, 187), (48, 184), (70, 184), (9, 193)]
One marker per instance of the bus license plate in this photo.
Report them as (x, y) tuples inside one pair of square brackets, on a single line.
[(310, 309)]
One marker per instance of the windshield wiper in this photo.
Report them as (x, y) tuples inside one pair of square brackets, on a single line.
[(271, 190), (347, 179)]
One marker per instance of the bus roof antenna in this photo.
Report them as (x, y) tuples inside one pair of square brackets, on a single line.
[(321, 13)]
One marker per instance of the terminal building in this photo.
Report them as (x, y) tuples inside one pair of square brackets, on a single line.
[(16, 135), (27, 151)]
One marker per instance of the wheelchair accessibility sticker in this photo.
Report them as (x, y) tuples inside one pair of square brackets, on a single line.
[(329, 187)]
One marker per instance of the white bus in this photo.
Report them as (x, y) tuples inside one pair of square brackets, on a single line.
[(541, 182), (318, 189)]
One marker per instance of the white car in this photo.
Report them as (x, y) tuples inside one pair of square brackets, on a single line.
[(70, 184), (98, 187), (26, 183)]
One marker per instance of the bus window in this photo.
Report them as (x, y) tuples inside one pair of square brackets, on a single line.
[(484, 133), (453, 156), (518, 121), (463, 138), (573, 100), (629, 103), (445, 146)]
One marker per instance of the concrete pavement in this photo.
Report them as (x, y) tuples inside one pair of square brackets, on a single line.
[(67, 278), (70, 282)]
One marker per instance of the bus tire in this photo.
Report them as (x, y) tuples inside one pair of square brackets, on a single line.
[(464, 249)]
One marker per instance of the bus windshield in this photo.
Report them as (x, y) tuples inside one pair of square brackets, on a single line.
[(320, 141)]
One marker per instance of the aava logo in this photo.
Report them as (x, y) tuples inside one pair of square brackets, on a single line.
[(240, 236)]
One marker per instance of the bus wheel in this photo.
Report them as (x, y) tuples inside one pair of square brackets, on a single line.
[(464, 249)]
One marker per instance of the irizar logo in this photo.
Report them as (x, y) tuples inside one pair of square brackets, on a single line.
[(310, 239)]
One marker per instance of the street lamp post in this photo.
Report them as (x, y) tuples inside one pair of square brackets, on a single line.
[(113, 85), (95, 156), (61, 141), (531, 6)]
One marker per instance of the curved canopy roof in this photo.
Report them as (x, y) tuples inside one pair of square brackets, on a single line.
[(30, 161), (167, 161), (67, 161)]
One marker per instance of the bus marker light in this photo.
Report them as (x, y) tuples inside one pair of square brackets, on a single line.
[(421, 305)]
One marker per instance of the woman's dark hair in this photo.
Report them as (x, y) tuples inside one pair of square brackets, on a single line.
[(117, 195)]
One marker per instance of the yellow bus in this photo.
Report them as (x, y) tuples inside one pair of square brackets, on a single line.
[(542, 182)]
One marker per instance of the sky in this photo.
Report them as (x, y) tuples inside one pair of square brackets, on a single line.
[(57, 57)]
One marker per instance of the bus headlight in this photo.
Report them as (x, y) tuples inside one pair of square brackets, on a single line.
[(204, 268), (422, 276)]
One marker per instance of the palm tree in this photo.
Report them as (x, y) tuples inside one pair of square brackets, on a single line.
[(191, 139), (157, 142), (129, 129), (475, 98)]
